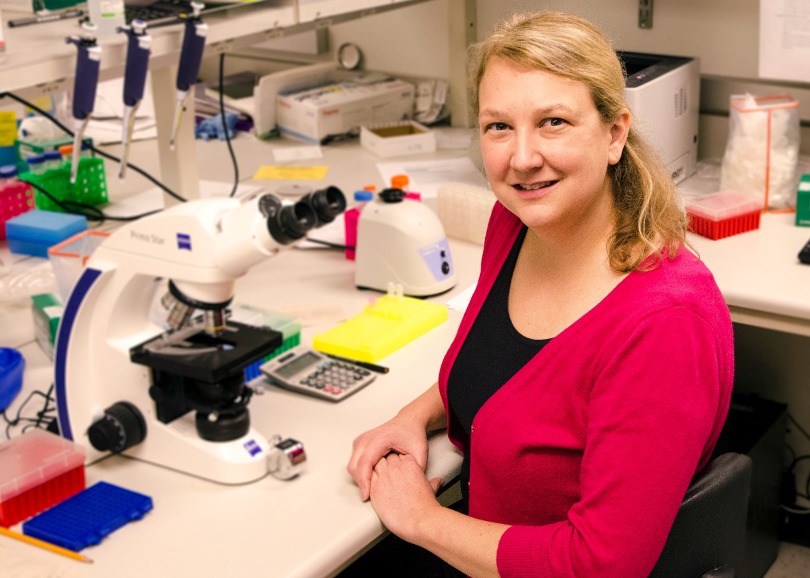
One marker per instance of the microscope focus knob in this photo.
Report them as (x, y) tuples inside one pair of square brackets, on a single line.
[(122, 427)]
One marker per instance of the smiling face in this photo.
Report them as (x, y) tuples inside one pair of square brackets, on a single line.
[(545, 148)]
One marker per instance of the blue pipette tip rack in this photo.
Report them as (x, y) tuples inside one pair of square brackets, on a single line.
[(86, 518)]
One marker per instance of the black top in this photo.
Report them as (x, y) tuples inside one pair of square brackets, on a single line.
[(492, 353)]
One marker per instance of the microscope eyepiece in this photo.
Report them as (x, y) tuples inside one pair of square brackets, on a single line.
[(327, 203), (287, 223)]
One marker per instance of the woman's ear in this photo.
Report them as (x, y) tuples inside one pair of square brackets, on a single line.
[(618, 136)]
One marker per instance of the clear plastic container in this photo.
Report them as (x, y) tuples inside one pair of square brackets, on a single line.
[(107, 15), (36, 164), (69, 257), (53, 159), (464, 211), (37, 470)]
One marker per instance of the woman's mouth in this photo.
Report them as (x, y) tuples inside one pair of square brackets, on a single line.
[(534, 186)]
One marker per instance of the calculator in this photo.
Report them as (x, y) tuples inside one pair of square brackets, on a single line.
[(308, 371)]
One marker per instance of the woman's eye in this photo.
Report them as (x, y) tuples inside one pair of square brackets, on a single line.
[(497, 126), (553, 122)]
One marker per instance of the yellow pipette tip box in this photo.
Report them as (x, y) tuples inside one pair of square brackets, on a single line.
[(382, 328)]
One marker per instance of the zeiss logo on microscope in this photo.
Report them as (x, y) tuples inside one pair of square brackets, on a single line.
[(183, 241), (252, 447)]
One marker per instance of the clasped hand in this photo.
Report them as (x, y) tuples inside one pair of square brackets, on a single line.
[(388, 464)]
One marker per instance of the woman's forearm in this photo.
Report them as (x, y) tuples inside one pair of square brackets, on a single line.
[(427, 409)]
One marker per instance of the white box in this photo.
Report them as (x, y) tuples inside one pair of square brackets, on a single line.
[(320, 114), (397, 139)]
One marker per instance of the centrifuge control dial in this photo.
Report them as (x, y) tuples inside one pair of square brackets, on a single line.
[(122, 427)]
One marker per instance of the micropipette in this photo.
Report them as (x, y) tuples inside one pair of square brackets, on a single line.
[(138, 48), (88, 62), (190, 60)]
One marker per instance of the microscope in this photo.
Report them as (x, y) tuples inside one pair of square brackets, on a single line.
[(147, 362)]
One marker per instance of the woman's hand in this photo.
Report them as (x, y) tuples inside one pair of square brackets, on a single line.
[(401, 494), (406, 433), (398, 435)]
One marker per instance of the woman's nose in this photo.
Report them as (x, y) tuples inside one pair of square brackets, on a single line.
[(527, 154)]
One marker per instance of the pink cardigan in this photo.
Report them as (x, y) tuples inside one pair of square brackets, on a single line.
[(588, 450)]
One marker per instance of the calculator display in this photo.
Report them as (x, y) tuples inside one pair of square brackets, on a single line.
[(298, 364)]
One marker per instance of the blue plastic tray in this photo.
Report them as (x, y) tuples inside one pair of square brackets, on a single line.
[(88, 517), (12, 365)]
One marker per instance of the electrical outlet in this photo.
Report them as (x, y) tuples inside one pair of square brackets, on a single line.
[(645, 13)]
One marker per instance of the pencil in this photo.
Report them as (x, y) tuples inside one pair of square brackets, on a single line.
[(363, 364), (45, 545)]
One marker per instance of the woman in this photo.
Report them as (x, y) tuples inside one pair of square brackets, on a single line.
[(592, 372)]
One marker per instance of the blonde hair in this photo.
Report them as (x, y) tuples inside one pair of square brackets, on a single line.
[(649, 220)]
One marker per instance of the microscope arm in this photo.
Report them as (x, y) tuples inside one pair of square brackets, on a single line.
[(243, 234)]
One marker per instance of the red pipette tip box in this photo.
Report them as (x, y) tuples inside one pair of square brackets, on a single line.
[(723, 214), (37, 470)]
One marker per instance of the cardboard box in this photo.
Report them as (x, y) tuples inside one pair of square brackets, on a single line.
[(803, 202), (336, 110), (47, 310), (398, 139)]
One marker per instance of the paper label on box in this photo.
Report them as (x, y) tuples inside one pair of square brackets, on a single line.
[(8, 128)]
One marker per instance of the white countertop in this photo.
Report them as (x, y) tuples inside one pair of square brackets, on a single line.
[(760, 275)]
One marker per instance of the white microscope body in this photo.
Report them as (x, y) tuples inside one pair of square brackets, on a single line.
[(108, 399)]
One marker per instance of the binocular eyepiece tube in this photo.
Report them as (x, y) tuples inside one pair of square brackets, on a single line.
[(288, 223)]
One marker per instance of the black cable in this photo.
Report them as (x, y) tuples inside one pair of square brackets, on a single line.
[(91, 212), (329, 244), (41, 414), (225, 124)]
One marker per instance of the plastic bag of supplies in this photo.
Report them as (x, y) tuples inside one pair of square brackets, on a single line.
[(763, 149)]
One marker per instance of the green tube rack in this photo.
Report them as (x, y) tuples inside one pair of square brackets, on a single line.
[(90, 187)]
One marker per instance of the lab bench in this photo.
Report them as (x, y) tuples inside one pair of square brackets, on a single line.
[(313, 525)]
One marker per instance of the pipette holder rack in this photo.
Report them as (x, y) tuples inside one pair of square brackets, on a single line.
[(90, 187)]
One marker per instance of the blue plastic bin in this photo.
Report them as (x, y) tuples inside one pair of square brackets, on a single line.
[(34, 232)]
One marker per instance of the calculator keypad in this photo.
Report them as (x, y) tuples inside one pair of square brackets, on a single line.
[(322, 377), (336, 379)]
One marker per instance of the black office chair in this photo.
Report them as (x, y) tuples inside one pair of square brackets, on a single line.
[(707, 539)]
